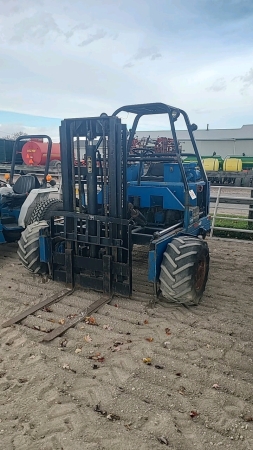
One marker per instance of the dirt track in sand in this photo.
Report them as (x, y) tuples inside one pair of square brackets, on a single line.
[(49, 391)]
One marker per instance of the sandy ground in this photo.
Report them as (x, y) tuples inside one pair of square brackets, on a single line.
[(54, 396)]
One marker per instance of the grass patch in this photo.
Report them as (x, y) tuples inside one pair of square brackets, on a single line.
[(232, 224)]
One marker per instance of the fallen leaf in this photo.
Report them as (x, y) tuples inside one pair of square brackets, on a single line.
[(113, 417), (47, 309), (61, 321), (150, 339), (67, 367), (147, 361), (116, 349), (90, 320), (182, 390), (145, 322), (194, 414), (87, 338), (167, 331), (78, 350), (71, 316), (163, 440), (248, 419), (107, 327), (97, 357), (22, 380), (215, 386), (99, 410)]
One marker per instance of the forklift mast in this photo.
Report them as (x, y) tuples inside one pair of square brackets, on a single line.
[(96, 237)]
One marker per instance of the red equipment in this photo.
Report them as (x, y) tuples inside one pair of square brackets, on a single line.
[(34, 153), (164, 145), (159, 145)]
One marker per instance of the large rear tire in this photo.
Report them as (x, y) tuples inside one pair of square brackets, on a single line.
[(29, 248), (42, 211), (184, 270)]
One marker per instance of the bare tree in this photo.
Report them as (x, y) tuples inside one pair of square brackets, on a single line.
[(14, 136)]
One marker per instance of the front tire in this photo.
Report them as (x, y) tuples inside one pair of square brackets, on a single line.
[(29, 248), (184, 270), (42, 211)]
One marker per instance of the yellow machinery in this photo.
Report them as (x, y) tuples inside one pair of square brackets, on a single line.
[(211, 164), (232, 165)]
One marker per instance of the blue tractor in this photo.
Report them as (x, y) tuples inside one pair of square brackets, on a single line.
[(126, 196), (24, 199)]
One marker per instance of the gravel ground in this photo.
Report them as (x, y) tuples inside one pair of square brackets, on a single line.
[(90, 388)]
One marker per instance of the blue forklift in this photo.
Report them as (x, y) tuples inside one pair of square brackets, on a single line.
[(125, 197), (23, 200)]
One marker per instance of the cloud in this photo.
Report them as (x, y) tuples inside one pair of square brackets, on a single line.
[(219, 85), (247, 80), (100, 34), (10, 7), (37, 27), (76, 28), (15, 127), (146, 53), (226, 10), (128, 65), (76, 59), (143, 53)]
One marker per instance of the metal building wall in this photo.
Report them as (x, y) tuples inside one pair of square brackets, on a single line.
[(221, 147)]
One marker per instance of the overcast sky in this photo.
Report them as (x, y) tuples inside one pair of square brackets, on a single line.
[(62, 58)]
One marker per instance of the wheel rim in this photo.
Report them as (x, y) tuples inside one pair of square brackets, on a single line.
[(200, 274)]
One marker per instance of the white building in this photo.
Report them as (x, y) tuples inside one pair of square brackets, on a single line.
[(222, 141)]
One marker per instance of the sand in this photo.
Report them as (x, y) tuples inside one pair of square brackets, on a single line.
[(196, 393)]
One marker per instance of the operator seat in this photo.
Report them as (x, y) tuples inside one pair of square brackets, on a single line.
[(25, 184), (20, 190)]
